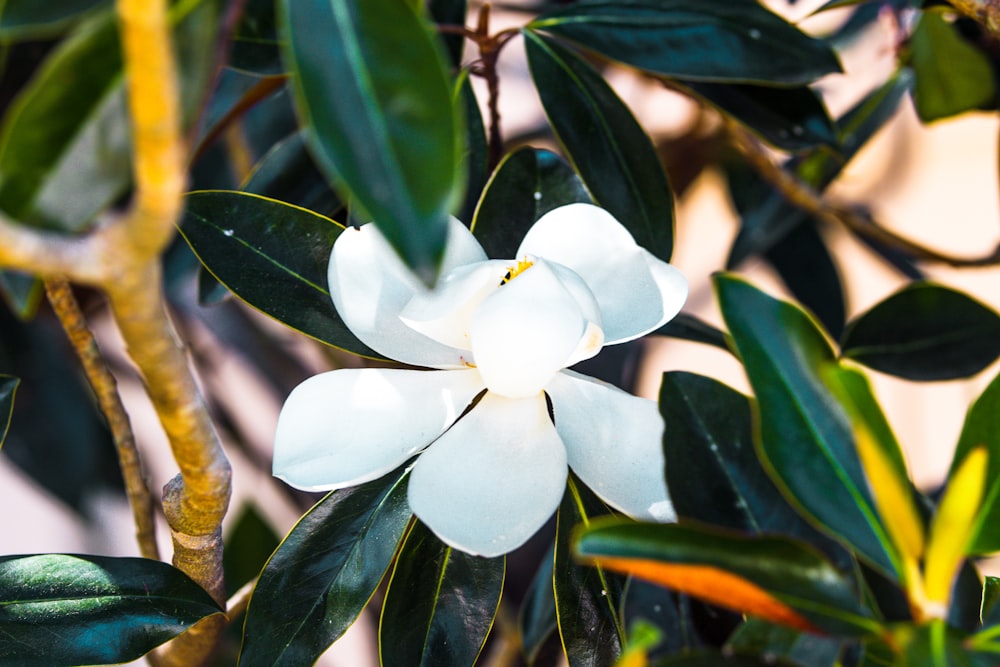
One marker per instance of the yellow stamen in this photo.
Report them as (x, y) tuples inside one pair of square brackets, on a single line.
[(516, 270)]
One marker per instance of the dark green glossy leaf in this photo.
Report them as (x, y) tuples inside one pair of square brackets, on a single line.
[(79, 610), (587, 598), (440, 603), (689, 327), (991, 594), (759, 637), (982, 427), (287, 173), (249, 544), (806, 267), (527, 184), (790, 118), (30, 19), (925, 332), (784, 571), (22, 293), (476, 148), (325, 571), (255, 45), (668, 611), (801, 427), (725, 40), (713, 472), (952, 75), (935, 644), (450, 12), (609, 149), (272, 255), (8, 387), (537, 619), (372, 91), (64, 144)]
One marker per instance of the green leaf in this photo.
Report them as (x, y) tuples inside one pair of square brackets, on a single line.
[(32, 20), (476, 147), (725, 40), (440, 603), (249, 544), (982, 427), (62, 609), (450, 12), (759, 637), (952, 75), (272, 255), (608, 147), (713, 472), (925, 332), (325, 571), (287, 173), (8, 387), (689, 327), (374, 95), (780, 579), (587, 598), (935, 644), (805, 265), (537, 618), (527, 184), (255, 44), (801, 427), (790, 118), (64, 142)]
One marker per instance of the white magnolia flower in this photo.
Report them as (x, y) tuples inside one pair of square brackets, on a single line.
[(487, 479)]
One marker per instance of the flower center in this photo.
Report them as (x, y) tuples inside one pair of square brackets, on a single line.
[(516, 270)]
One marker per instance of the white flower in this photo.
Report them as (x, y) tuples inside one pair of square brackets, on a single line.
[(486, 480)]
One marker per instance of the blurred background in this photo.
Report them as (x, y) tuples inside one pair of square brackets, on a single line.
[(934, 183)]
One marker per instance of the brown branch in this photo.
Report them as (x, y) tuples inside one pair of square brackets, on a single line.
[(986, 12), (809, 200), (67, 309)]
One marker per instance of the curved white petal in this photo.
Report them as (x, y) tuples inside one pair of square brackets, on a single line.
[(614, 443), (493, 479), (370, 286), (526, 331), (445, 313), (636, 291), (350, 426)]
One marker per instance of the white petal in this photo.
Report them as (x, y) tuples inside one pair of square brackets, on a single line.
[(445, 313), (614, 443), (350, 426), (526, 331), (493, 479), (636, 291), (370, 285)]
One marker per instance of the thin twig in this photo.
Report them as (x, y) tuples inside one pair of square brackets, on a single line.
[(66, 308), (857, 222)]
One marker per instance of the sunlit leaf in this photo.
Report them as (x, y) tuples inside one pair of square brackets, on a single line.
[(800, 426), (527, 184), (925, 332), (440, 603), (982, 427), (324, 572), (80, 610), (8, 387), (608, 147), (30, 19), (952, 75), (272, 255), (373, 93), (725, 40), (775, 578), (587, 598)]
